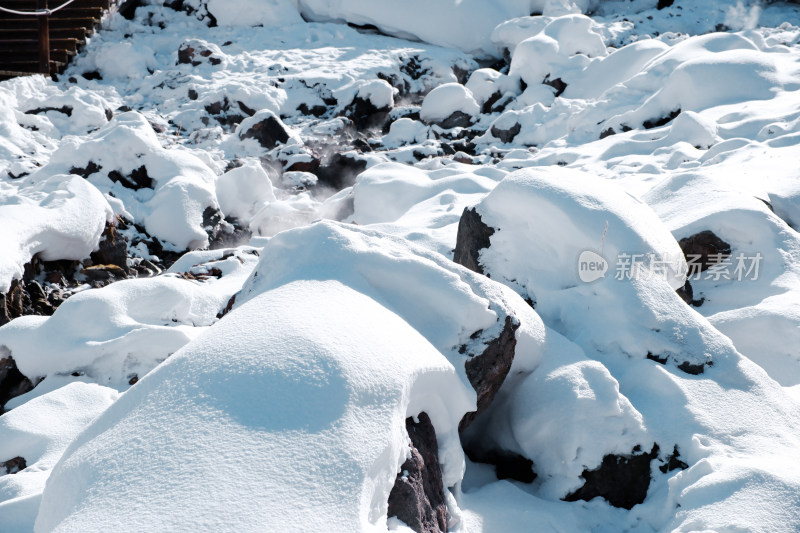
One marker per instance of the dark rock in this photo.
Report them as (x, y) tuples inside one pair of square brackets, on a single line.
[(656, 122), (493, 99), (128, 8), (228, 307), (657, 358), (686, 292), (269, 132), (607, 133), (417, 497), (192, 94), (694, 369), (312, 166), (92, 75), (557, 84), (317, 110), (247, 110), (67, 110), (12, 382), (13, 303), (621, 480), (90, 169), (194, 54), (473, 236), (413, 68), (137, 179), (113, 250), (13, 466), (101, 275), (223, 232), (340, 170), (673, 463), (458, 119), (39, 303), (704, 250), (664, 3), (487, 371), (508, 135), (507, 465), (366, 116)]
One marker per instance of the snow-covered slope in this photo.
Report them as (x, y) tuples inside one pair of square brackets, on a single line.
[(303, 265)]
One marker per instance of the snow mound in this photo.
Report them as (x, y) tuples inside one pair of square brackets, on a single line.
[(302, 393), (57, 217), (166, 190), (117, 334), (39, 432), (447, 99)]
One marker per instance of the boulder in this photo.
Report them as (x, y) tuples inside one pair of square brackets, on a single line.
[(487, 371), (622, 480), (417, 498), (473, 236), (12, 382), (704, 250), (13, 466), (266, 128), (112, 249)]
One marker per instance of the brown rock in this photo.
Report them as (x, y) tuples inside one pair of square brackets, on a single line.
[(13, 466), (12, 382), (417, 497), (487, 371), (473, 236), (704, 250)]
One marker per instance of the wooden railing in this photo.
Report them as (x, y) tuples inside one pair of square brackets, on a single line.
[(38, 38)]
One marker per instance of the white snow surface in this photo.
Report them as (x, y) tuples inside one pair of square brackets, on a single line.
[(264, 385), (305, 412)]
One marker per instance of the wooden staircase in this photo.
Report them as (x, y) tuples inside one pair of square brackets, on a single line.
[(45, 44)]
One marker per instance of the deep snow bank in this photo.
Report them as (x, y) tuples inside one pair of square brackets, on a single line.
[(287, 414)]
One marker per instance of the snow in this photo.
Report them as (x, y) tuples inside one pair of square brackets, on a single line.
[(58, 217), (327, 376), (445, 100), (244, 190), (39, 432), (266, 385), (125, 329)]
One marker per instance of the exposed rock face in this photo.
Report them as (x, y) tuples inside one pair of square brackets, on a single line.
[(194, 54), (340, 170), (507, 465), (686, 293), (366, 116), (113, 250), (694, 369), (12, 382), (557, 84), (508, 135), (13, 466), (137, 179), (268, 132), (487, 371), (458, 119), (417, 497), (660, 121), (621, 480), (704, 250), (128, 8), (473, 236), (27, 299)]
